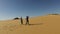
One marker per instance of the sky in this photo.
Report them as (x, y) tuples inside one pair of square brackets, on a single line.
[(17, 8)]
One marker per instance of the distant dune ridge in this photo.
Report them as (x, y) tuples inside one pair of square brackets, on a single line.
[(54, 14), (38, 25)]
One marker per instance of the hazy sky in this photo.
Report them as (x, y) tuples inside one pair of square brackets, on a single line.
[(16, 8)]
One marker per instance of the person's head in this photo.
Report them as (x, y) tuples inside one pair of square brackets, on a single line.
[(21, 16), (27, 16)]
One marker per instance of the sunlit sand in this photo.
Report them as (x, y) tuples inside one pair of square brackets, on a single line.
[(49, 24)]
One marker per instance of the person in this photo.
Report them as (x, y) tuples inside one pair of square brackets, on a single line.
[(27, 20), (21, 20)]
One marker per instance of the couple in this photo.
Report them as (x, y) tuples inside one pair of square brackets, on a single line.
[(27, 20)]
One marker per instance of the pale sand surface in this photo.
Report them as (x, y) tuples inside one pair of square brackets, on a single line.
[(38, 25)]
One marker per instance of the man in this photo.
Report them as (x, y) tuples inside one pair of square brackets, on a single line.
[(27, 20), (21, 20)]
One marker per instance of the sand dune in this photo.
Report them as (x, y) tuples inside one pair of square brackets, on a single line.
[(49, 24)]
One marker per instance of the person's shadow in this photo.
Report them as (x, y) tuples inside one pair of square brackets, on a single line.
[(36, 24)]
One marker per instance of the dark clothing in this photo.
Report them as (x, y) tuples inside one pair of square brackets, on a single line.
[(27, 20), (21, 20)]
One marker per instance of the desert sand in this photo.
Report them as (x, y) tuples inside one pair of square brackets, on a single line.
[(49, 24)]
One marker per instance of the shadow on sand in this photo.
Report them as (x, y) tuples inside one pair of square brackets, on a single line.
[(35, 24)]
